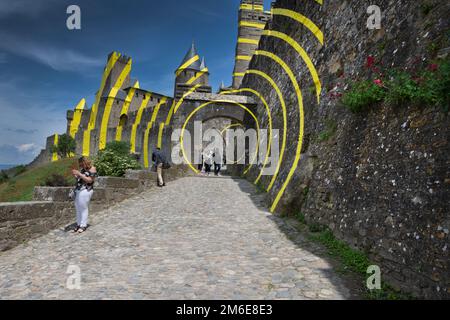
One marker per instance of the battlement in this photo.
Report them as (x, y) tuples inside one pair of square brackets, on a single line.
[(117, 68), (252, 5), (252, 21), (122, 58)]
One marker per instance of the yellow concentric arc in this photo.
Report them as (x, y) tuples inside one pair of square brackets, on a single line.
[(176, 104), (55, 143), (109, 103), (137, 121), (301, 19), (235, 125), (269, 114), (198, 76), (303, 54), (203, 106), (125, 109), (149, 127), (298, 92), (160, 134), (187, 64), (75, 124), (284, 110), (93, 118)]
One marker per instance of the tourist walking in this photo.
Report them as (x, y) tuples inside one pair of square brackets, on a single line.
[(83, 192), (218, 161), (160, 163), (200, 165), (208, 159)]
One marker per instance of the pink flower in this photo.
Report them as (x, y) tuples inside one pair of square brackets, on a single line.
[(378, 82)]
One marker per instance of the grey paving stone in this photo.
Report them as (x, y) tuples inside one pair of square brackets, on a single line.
[(196, 239)]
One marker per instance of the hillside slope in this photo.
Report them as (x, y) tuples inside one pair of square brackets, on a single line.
[(21, 188)]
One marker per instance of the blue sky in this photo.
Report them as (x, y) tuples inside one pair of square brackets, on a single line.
[(45, 69)]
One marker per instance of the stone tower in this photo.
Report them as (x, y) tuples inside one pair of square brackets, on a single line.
[(252, 21), (192, 72), (118, 71)]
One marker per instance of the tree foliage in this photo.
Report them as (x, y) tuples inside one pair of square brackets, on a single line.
[(66, 146)]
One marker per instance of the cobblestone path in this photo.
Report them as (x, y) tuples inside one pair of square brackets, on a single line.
[(199, 238)]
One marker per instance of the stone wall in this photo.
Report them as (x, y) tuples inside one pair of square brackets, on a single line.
[(23, 221), (51, 208), (380, 181)]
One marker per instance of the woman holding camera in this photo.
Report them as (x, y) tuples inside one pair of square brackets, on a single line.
[(83, 192)]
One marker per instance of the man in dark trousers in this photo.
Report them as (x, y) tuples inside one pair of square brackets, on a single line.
[(159, 161)]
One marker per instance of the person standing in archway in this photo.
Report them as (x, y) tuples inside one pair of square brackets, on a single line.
[(208, 159), (218, 161)]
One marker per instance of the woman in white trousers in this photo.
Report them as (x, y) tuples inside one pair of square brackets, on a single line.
[(83, 192)]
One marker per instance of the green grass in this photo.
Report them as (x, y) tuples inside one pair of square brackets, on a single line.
[(351, 260), (301, 218), (260, 189), (330, 131), (362, 94), (21, 187)]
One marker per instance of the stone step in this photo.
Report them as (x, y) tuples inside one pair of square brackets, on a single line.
[(117, 183), (61, 194)]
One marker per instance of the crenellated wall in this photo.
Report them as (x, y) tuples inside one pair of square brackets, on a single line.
[(378, 179)]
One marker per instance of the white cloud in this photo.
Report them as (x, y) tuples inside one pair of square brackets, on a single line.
[(25, 148), (10, 154), (59, 59)]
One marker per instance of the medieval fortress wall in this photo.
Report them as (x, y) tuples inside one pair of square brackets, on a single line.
[(379, 178), (123, 111), (380, 182)]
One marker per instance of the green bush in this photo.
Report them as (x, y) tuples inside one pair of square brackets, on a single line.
[(114, 161), (430, 87), (119, 147), (362, 94), (401, 88), (57, 180), (3, 177), (434, 88)]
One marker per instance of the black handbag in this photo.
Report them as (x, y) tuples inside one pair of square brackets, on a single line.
[(166, 165)]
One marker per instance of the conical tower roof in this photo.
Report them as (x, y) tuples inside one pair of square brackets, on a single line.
[(193, 56), (203, 65)]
